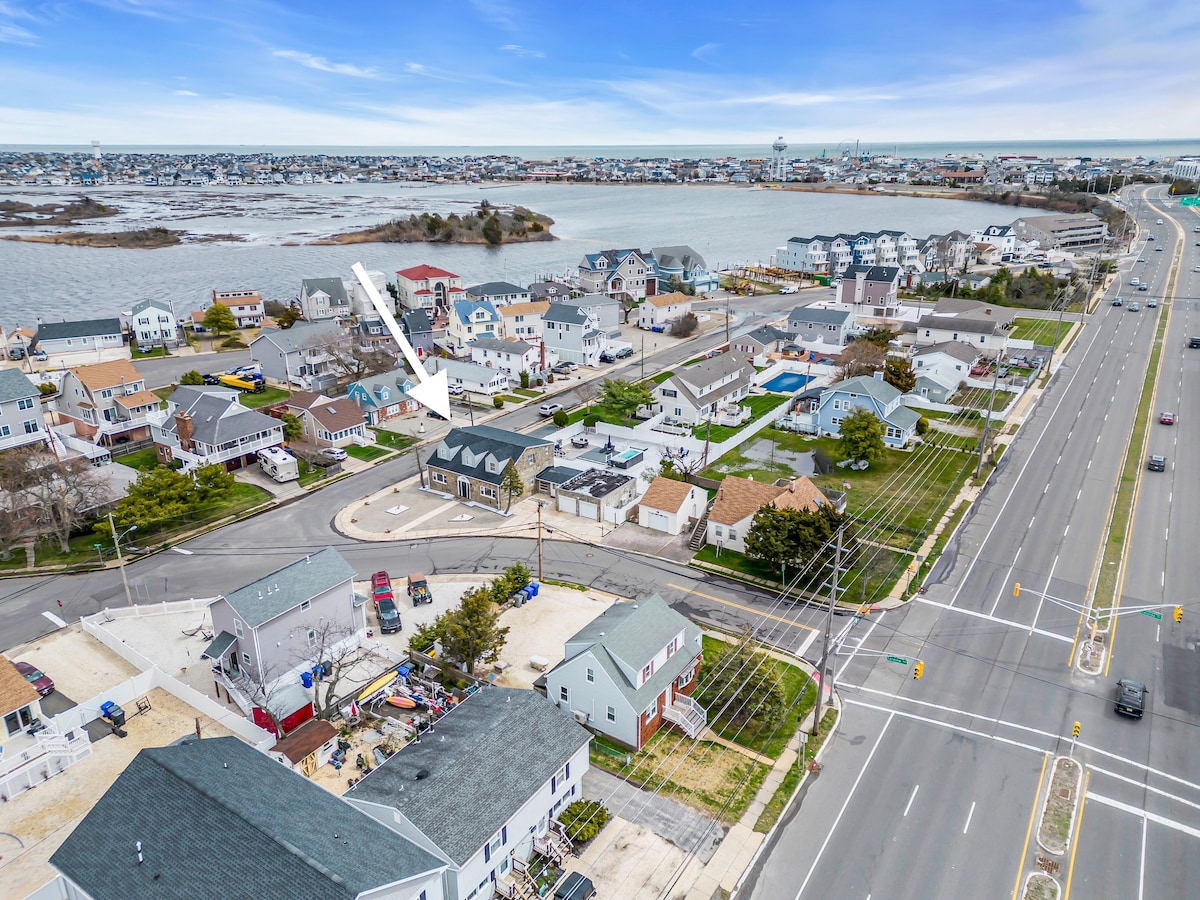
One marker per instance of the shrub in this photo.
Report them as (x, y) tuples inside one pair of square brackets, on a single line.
[(590, 421), (561, 418), (524, 378), (922, 425), (498, 402), (46, 389), (583, 819), (549, 378)]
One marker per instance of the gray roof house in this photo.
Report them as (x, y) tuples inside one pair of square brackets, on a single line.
[(630, 670), (698, 392), (324, 299), (873, 289), (469, 462), (215, 818), (418, 328), (383, 397), (571, 334), (208, 424), (153, 324), (294, 356), (941, 368), (481, 788), (500, 293), (73, 337), (266, 629), (874, 394), (21, 419), (813, 325)]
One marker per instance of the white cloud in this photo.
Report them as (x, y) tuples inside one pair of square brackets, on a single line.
[(524, 52), (182, 93), (15, 34), (498, 11), (704, 51), (321, 64)]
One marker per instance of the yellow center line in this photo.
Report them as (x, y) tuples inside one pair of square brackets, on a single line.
[(1078, 823), (743, 607), (1029, 831)]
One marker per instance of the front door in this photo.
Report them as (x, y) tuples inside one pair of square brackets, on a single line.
[(464, 489)]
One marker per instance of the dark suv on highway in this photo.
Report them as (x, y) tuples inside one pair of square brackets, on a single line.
[(1131, 698), (1157, 464)]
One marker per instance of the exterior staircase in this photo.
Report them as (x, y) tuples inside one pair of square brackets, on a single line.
[(696, 541), (689, 715)]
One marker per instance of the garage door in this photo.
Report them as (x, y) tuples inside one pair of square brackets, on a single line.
[(589, 510), (657, 520), (566, 504)]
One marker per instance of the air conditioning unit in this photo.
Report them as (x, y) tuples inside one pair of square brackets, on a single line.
[(580, 716)]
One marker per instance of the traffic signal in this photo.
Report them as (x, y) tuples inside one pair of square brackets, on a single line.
[(1075, 730), (1179, 614), (1016, 589), (918, 670)]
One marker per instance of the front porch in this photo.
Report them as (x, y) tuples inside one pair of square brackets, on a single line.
[(687, 714)]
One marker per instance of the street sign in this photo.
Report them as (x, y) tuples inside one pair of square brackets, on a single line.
[(1189, 201), (1152, 614), (904, 662)]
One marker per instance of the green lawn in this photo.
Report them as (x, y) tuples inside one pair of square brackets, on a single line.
[(366, 454), (759, 405), (527, 392), (660, 377), (977, 398), (157, 352), (1040, 331), (392, 440), (266, 398), (766, 737), (142, 460), (510, 398), (578, 415), (879, 491)]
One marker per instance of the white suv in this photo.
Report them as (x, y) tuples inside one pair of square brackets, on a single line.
[(549, 409)]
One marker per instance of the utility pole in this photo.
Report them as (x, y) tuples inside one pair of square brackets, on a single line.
[(1062, 308), (987, 419), (727, 324), (539, 528), (120, 559), (837, 566), (643, 378)]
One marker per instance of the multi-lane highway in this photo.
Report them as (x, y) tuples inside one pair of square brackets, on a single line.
[(933, 785)]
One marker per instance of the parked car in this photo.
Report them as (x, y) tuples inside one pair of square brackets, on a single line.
[(380, 579), (389, 616), (1039, 361), (1157, 463), (42, 683), (16, 353), (430, 414), (549, 409), (608, 357), (791, 289), (337, 454), (455, 390), (562, 368), (575, 887), (1167, 418), (211, 379), (625, 353), (40, 355), (1131, 698)]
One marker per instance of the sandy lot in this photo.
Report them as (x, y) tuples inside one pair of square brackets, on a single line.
[(80, 666), (42, 818), (641, 864)]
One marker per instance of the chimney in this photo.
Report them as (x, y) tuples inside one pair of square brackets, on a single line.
[(183, 428), (792, 485), (879, 375)]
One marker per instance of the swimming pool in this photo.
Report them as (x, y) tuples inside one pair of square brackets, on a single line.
[(786, 383)]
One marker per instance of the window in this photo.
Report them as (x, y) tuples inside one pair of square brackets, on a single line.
[(246, 658), (720, 531), (31, 427), (648, 671), (733, 534), (237, 627), (591, 676), (611, 714), (312, 638), (488, 492), (651, 711), (564, 693), (5, 431), (671, 647), (25, 403), (438, 478), (667, 392)]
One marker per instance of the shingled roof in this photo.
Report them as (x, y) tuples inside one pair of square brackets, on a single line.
[(216, 818), (276, 593)]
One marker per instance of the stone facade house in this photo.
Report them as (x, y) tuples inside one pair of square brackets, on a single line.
[(469, 463)]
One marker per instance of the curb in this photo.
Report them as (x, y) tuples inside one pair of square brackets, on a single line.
[(1074, 807)]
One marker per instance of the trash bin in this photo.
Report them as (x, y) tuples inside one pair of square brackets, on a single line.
[(113, 713), (535, 586), (306, 679)]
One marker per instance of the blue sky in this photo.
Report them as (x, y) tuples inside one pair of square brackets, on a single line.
[(528, 72)]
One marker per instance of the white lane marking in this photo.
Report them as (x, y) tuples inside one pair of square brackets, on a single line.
[(1142, 862), (806, 643), (1009, 622), (1080, 494), (1157, 633), (1065, 530), (1031, 521), (1046, 488), (181, 550), (971, 813), (1144, 814), (1042, 598), (1167, 533), (1058, 462), (845, 803), (58, 623), (1089, 465), (911, 798), (929, 721)]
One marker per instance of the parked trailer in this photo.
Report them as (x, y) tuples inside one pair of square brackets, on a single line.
[(279, 464)]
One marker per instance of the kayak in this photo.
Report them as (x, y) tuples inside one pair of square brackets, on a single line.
[(378, 684), (403, 702)]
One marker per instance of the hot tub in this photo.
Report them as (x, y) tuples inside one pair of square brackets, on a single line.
[(626, 458)]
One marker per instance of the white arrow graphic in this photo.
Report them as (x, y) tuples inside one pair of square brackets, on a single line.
[(430, 390)]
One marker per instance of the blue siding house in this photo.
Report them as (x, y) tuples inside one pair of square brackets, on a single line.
[(383, 397), (872, 393)]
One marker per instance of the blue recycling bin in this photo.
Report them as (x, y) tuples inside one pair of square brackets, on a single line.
[(306, 679), (535, 586)]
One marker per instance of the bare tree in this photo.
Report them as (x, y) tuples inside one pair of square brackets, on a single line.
[(861, 358), (331, 648), (14, 525), (350, 359), (61, 495)]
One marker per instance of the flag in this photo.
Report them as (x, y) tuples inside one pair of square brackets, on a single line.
[(353, 709)]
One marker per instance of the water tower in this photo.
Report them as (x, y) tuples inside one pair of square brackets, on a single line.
[(95, 150), (777, 162)]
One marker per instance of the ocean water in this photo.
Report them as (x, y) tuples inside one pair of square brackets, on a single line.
[(725, 225)]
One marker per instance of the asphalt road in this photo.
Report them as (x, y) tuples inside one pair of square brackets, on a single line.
[(999, 695)]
